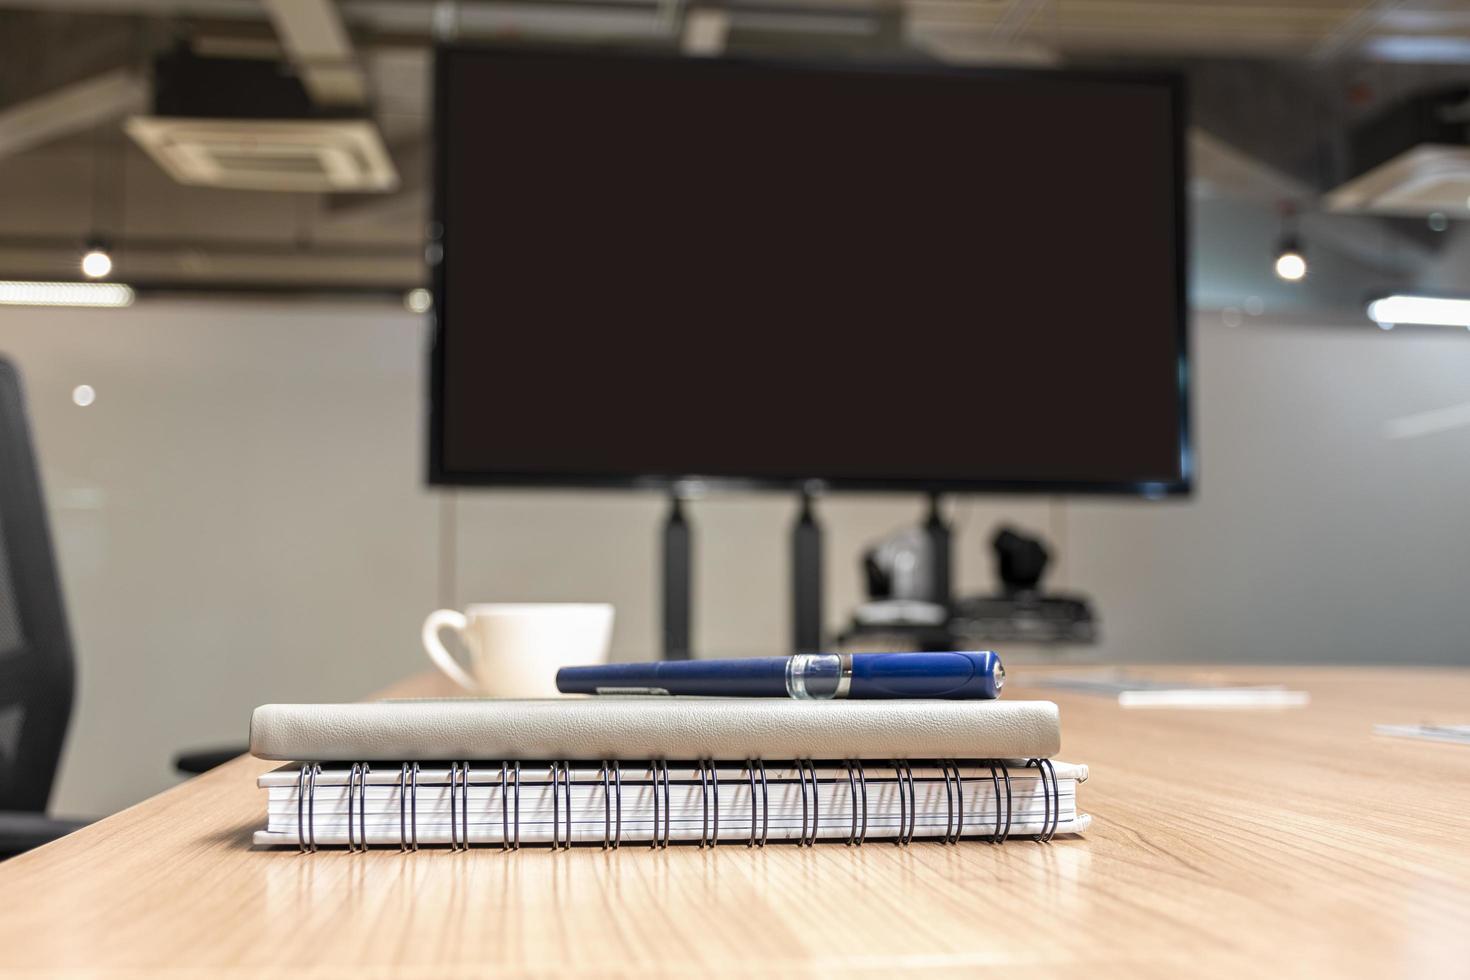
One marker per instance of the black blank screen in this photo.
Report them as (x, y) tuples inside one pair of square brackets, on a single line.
[(663, 268)]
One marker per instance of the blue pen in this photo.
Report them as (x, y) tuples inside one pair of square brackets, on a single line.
[(808, 676)]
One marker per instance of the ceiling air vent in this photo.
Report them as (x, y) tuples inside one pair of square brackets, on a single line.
[(321, 156), (250, 124), (1411, 159)]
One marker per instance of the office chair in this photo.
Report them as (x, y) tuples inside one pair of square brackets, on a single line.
[(36, 674), (203, 760)]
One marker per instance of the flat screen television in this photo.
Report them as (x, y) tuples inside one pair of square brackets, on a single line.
[(652, 270)]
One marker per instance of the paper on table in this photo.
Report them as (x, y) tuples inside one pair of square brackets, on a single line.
[(1458, 734), (1140, 692)]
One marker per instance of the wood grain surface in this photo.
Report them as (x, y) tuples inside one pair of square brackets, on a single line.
[(1225, 843)]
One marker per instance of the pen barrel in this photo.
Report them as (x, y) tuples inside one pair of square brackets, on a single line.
[(811, 676), (754, 677), (963, 675)]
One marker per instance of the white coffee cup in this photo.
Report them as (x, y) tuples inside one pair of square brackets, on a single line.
[(515, 649)]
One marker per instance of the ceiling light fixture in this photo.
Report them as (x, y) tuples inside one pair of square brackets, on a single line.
[(418, 300), (1291, 262), (97, 260), (1291, 265), (16, 293), (1431, 311)]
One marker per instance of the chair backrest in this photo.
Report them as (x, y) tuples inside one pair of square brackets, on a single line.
[(37, 677)]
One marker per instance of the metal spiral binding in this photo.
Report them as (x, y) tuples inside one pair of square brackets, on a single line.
[(948, 803), (510, 782), (913, 805), (805, 803), (751, 766), (456, 776), (703, 805), (959, 788), (656, 768), (816, 802), (1002, 831), (559, 796), (316, 770), (566, 798), (805, 800), (806, 770), (555, 806), (903, 813), (566, 781), (750, 775), (952, 782), (618, 785), (612, 782), (653, 778), (306, 806), (453, 808), (709, 780), (765, 804), (714, 779), (408, 806), (1051, 798), (362, 805), (853, 795), (606, 806), (707, 771), (357, 777), (403, 807), (464, 802), (301, 806), (1045, 800), (1056, 798), (352, 775), (907, 810), (668, 805)]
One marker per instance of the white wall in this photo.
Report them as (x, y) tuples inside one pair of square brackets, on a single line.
[(1314, 536), (238, 515), (241, 518)]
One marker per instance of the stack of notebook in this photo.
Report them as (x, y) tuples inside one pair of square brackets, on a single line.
[(609, 771)]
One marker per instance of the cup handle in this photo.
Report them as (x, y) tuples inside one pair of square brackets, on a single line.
[(438, 620)]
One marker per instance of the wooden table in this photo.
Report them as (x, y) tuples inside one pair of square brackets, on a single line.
[(1225, 843)]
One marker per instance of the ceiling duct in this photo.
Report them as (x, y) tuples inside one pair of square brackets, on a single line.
[(1411, 159), (250, 124)]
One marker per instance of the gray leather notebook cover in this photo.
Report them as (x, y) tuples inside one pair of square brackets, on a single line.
[(641, 728)]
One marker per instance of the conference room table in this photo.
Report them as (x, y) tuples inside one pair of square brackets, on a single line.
[(1290, 841)]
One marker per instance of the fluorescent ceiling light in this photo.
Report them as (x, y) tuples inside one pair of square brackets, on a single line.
[(1420, 49), (1434, 311), (14, 293)]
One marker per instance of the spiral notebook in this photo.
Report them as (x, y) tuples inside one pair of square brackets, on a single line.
[(915, 780), (561, 804)]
